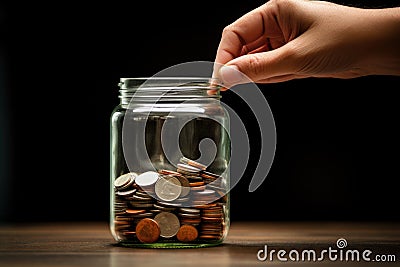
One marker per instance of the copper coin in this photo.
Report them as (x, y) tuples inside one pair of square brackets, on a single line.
[(143, 215), (169, 172), (210, 174), (187, 233), (211, 219), (212, 232), (187, 168), (198, 188), (215, 215), (205, 176), (129, 211), (210, 211), (194, 184), (193, 163), (204, 205), (211, 227), (121, 222), (147, 230), (190, 221), (194, 178)]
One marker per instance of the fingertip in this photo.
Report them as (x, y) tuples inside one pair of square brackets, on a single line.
[(230, 75), (211, 92)]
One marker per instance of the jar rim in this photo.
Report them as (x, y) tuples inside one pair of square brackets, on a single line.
[(168, 78), (168, 81), (168, 88)]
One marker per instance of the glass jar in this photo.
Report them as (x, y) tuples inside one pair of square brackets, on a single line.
[(170, 153)]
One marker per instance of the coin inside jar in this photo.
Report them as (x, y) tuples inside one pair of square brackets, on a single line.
[(187, 233), (185, 186), (147, 179), (169, 224), (125, 180), (187, 168), (168, 188), (193, 163), (148, 230)]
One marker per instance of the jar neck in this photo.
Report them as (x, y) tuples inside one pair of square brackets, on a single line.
[(167, 90)]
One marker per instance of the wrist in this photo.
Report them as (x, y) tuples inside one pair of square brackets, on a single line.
[(382, 54)]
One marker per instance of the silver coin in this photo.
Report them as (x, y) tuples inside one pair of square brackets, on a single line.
[(182, 200), (125, 180), (143, 199), (170, 204), (169, 224), (206, 192), (194, 178), (147, 178), (125, 193), (189, 210), (168, 189), (142, 194)]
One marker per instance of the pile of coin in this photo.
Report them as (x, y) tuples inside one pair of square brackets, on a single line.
[(187, 204)]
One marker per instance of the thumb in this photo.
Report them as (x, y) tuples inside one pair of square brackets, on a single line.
[(257, 67)]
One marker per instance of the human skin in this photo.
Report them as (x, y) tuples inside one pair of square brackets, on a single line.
[(290, 39)]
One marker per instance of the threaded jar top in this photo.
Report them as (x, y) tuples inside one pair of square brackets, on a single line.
[(167, 89)]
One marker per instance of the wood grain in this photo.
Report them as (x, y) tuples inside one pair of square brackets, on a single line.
[(91, 244)]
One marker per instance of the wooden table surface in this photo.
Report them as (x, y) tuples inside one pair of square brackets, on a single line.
[(91, 244)]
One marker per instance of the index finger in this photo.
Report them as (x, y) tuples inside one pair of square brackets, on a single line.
[(238, 36)]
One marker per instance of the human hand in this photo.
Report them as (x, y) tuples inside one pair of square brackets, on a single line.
[(288, 39)]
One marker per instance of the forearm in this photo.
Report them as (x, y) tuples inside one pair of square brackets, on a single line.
[(383, 43)]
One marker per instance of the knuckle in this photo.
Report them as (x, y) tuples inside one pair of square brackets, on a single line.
[(227, 30), (281, 4)]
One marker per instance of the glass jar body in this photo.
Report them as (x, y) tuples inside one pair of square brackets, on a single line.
[(161, 194)]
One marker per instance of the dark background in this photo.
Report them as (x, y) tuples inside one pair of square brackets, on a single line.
[(60, 63)]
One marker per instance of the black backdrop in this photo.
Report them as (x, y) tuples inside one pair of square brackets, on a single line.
[(338, 141)]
